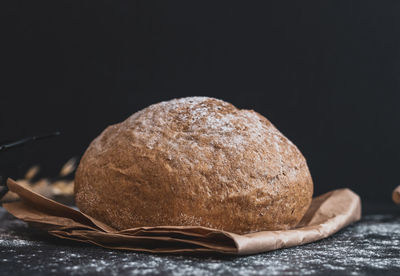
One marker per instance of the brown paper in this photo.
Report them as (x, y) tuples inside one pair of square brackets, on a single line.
[(327, 214)]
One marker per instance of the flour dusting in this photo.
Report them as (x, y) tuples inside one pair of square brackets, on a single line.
[(370, 246)]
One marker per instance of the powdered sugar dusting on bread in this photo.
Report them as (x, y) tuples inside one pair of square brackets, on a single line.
[(200, 117), (202, 122), (195, 161)]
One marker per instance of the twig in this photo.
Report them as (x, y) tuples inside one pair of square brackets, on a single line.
[(26, 140)]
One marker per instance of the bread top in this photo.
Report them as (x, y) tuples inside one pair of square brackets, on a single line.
[(201, 127), (199, 157)]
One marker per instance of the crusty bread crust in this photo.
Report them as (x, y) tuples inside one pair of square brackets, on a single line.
[(194, 161)]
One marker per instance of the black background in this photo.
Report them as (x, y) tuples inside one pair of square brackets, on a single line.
[(326, 73)]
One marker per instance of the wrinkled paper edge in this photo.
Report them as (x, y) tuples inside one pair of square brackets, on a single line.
[(327, 214)]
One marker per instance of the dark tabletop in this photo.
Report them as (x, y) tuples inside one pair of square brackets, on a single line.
[(368, 247)]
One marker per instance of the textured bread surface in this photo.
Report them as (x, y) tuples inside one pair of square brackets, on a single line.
[(194, 161)]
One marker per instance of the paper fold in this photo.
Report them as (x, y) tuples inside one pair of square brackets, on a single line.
[(327, 214)]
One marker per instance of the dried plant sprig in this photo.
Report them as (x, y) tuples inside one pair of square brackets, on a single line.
[(27, 140), (68, 167), (49, 187), (9, 145), (32, 172)]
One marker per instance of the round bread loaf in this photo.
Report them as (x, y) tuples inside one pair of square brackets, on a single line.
[(194, 161)]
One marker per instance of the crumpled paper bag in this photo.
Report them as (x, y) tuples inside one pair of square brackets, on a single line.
[(327, 214)]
